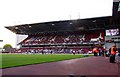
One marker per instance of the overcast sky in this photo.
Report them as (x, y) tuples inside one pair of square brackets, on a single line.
[(16, 12)]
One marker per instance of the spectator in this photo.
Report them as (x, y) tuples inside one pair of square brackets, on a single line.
[(42, 52), (95, 51), (74, 52), (51, 51), (118, 56), (112, 53)]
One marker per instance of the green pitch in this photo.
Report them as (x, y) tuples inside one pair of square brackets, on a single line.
[(13, 60)]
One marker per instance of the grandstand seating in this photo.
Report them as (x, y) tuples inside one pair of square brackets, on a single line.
[(60, 39), (55, 39)]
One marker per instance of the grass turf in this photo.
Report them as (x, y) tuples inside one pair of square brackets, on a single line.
[(13, 60)]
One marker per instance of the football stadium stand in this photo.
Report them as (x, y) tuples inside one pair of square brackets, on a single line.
[(66, 36)]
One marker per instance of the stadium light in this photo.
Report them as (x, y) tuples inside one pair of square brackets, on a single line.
[(53, 24), (71, 23), (94, 21), (16, 27), (29, 26)]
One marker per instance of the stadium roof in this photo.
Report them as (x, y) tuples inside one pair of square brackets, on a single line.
[(71, 25), (66, 25)]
